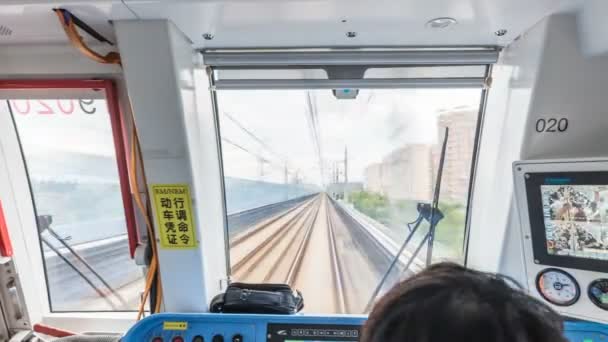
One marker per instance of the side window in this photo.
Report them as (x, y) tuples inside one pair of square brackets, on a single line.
[(69, 152)]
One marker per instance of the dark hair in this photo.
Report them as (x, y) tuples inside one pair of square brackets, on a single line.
[(447, 302)]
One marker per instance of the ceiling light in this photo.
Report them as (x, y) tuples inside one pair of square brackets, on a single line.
[(441, 23)]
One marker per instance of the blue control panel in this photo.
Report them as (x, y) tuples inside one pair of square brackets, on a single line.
[(283, 328), (586, 332), (245, 328)]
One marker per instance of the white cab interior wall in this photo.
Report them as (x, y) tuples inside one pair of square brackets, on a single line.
[(572, 86), (593, 27), (51, 61), (549, 77), (159, 65), (514, 80)]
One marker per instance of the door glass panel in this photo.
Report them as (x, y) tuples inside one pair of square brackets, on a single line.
[(68, 148), (320, 190)]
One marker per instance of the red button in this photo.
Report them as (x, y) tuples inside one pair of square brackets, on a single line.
[(178, 339), (157, 339)]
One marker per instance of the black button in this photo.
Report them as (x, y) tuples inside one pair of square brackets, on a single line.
[(198, 338), (237, 338), (218, 338)]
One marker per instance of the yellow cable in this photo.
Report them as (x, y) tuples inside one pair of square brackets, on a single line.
[(135, 149), (114, 58), (159, 295), (152, 272), (149, 278), (78, 42)]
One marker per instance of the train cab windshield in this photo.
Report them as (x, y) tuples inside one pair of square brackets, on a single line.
[(309, 176)]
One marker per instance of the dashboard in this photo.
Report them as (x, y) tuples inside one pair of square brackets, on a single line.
[(169, 327), (563, 209), (245, 328)]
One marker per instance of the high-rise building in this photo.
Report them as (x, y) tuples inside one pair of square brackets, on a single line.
[(404, 174), (461, 122), (373, 178), (408, 173)]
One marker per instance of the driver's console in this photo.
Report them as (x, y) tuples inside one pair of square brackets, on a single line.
[(278, 328), (245, 328)]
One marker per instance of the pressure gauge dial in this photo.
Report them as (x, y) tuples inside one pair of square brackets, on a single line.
[(598, 293), (557, 287)]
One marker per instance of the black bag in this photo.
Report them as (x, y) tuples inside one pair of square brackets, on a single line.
[(258, 298)]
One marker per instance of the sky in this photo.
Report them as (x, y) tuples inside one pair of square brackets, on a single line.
[(267, 135), (60, 146), (274, 126), (76, 132)]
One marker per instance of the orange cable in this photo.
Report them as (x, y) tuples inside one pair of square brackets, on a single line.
[(137, 152), (152, 272), (114, 58), (78, 42), (149, 277)]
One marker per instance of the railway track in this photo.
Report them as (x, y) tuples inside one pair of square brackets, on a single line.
[(336, 262), (252, 250), (310, 248)]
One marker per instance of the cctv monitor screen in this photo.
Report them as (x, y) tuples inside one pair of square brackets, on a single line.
[(569, 218)]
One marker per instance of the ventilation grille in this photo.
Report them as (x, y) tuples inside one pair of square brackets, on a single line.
[(5, 31)]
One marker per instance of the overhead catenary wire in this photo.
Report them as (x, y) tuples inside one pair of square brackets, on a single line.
[(261, 142), (255, 137), (314, 129), (244, 149)]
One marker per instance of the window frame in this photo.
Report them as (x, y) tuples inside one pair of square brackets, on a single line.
[(119, 135), (483, 83), (27, 251)]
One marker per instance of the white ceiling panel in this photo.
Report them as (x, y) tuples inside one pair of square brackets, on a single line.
[(291, 23), (306, 23), (30, 22)]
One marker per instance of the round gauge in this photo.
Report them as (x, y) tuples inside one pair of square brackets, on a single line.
[(557, 287), (598, 293)]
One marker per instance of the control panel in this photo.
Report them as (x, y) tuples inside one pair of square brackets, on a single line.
[(245, 328), (586, 332), (283, 328), (563, 209)]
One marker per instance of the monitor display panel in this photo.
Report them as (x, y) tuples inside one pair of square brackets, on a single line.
[(576, 220), (569, 218)]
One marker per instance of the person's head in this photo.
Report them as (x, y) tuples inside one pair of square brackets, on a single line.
[(447, 302)]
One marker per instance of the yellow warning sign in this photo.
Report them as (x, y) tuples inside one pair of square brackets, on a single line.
[(175, 325), (174, 215)]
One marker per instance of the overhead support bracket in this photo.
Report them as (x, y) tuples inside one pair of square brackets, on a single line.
[(387, 58), (387, 83)]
